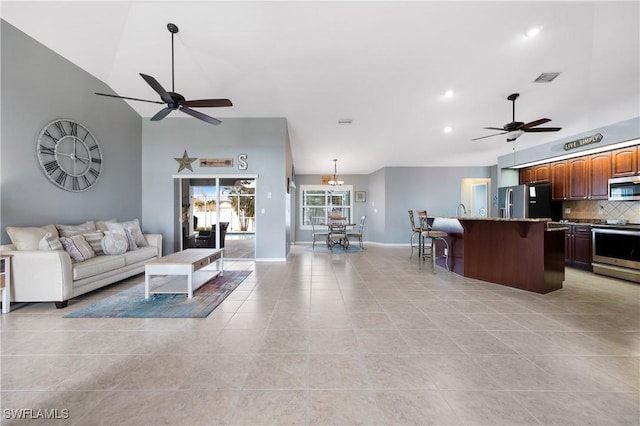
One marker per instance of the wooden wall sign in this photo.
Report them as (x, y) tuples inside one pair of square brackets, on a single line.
[(216, 162), (583, 141)]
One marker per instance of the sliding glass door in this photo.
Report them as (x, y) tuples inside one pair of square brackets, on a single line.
[(219, 212)]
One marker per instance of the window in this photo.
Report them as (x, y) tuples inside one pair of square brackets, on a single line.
[(320, 201)]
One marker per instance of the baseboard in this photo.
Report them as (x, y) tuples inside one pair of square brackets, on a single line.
[(373, 243)]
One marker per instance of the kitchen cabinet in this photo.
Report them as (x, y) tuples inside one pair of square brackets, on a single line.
[(599, 174), (535, 174), (625, 162), (581, 178), (578, 178), (578, 247), (559, 180), (526, 175)]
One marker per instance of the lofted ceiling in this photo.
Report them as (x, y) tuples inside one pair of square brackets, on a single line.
[(385, 65)]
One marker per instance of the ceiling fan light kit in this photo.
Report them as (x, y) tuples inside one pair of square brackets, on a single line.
[(517, 128), (175, 101)]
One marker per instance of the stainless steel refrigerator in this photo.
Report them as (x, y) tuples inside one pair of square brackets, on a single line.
[(528, 201)]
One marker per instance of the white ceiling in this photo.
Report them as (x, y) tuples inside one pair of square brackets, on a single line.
[(386, 65)]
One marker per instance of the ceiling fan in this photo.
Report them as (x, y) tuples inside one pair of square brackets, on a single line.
[(175, 100), (517, 128)]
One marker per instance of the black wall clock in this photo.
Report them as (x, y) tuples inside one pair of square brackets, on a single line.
[(69, 155)]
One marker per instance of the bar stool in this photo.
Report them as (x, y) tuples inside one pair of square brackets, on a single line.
[(415, 231), (432, 236)]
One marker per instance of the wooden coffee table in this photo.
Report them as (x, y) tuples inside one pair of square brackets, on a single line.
[(189, 262)]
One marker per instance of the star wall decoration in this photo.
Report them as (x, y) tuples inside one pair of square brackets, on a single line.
[(185, 162)]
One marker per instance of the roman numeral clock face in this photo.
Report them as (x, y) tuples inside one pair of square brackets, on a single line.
[(69, 155)]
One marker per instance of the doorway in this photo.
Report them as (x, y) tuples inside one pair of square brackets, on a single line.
[(475, 196), (218, 212)]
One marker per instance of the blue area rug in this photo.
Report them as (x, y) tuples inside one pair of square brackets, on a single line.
[(131, 303), (337, 249)]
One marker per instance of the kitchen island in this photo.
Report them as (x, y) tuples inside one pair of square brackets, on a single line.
[(520, 253)]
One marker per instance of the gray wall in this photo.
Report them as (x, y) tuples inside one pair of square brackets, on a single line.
[(39, 86), (376, 202), (435, 189), (265, 142)]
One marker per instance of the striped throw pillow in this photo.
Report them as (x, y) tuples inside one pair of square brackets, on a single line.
[(94, 239)]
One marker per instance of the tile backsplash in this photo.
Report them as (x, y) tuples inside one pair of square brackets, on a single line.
[(602, 210)]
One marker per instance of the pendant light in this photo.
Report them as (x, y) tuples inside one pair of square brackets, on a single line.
[(334, 181)]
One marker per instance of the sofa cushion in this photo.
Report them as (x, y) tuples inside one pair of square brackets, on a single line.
[(134, 227), (142, 254), (114, 243), (28, 237), (71, 230), (97, 265)]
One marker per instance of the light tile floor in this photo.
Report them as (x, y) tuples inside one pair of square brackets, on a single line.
[(363, 338)]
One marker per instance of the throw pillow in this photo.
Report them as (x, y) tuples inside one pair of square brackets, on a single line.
[(71, 230), (114, 243), (50, 243), (95, 239), (131, 241), (134, 227), (28, 237), (77, 247)]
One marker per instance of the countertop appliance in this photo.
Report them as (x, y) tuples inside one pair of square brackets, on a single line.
[(616, 251), (624, 188), (528, 201)]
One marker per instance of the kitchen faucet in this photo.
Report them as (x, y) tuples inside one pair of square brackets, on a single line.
[(464, 210)]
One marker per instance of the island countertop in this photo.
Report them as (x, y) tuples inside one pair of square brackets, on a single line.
[(503, 219), (520, 253)]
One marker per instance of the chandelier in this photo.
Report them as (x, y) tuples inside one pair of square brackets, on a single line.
[(334, 180)]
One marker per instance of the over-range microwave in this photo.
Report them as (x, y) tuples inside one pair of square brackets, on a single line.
[(624, 188)]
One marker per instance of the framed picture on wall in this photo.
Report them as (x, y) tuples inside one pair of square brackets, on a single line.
[(361, 196)]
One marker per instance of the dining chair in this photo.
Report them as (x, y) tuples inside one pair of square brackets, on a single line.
[(428, 238), (338, 232), (358, 234), (323, 235), (415, 231)]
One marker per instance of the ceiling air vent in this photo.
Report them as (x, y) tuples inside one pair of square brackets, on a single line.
[(546, 77)]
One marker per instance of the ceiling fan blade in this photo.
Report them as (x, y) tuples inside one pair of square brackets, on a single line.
[(126, 97), (493, 128), (161, 114), (535, 123), (207, 103), (483, 137), (542, 129), (164, 95), (199, 115)]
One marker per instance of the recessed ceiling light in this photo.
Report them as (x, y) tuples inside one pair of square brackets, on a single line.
[(533, 31), (447, 129), (448, 93), (345, 121)]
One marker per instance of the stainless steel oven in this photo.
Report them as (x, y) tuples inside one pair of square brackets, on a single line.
[(616, 251)]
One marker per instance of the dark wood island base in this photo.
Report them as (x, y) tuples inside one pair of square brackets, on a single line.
[(520, 253)]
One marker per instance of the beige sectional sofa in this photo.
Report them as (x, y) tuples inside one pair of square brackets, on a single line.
[(45, 271)]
